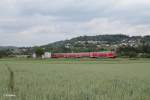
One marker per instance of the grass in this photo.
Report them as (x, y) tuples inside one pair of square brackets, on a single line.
[(76, 79)]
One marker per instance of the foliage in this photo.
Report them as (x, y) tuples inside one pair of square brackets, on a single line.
[(39, 51)]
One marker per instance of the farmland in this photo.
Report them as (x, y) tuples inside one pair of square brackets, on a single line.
[(76, 79)]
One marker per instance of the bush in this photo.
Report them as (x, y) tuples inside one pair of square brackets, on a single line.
[(145, 55), (132, 54)]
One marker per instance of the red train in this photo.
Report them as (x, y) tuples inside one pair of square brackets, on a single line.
[(84, 54)]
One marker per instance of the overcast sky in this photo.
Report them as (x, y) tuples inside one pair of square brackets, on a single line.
[(37, 22)]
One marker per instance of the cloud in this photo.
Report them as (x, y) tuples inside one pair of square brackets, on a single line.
[(106, 26), (36, 22)]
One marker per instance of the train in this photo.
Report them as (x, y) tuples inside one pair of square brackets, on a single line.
[(108, 54)]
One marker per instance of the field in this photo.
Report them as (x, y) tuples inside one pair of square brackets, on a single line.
[(101, 79)]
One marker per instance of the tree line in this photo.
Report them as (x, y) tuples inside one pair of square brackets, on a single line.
[(129, 51)]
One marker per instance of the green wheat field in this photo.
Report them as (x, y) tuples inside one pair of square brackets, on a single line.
[(75, 79)]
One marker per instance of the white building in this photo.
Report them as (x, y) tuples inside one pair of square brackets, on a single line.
[(34, 55), (47, 55)]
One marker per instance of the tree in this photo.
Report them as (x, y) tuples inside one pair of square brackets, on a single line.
[(39, 52), (132, 54), (127, 51), (5, 53)]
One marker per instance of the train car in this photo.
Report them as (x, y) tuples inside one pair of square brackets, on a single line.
[(70, 55), (57, 55), (102, 55)]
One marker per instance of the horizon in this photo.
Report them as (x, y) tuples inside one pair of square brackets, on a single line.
[(38, 22), (69, 39)]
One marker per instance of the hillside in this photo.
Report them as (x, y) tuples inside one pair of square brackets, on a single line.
[(7, 47), (100, 38), (96, 43)]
